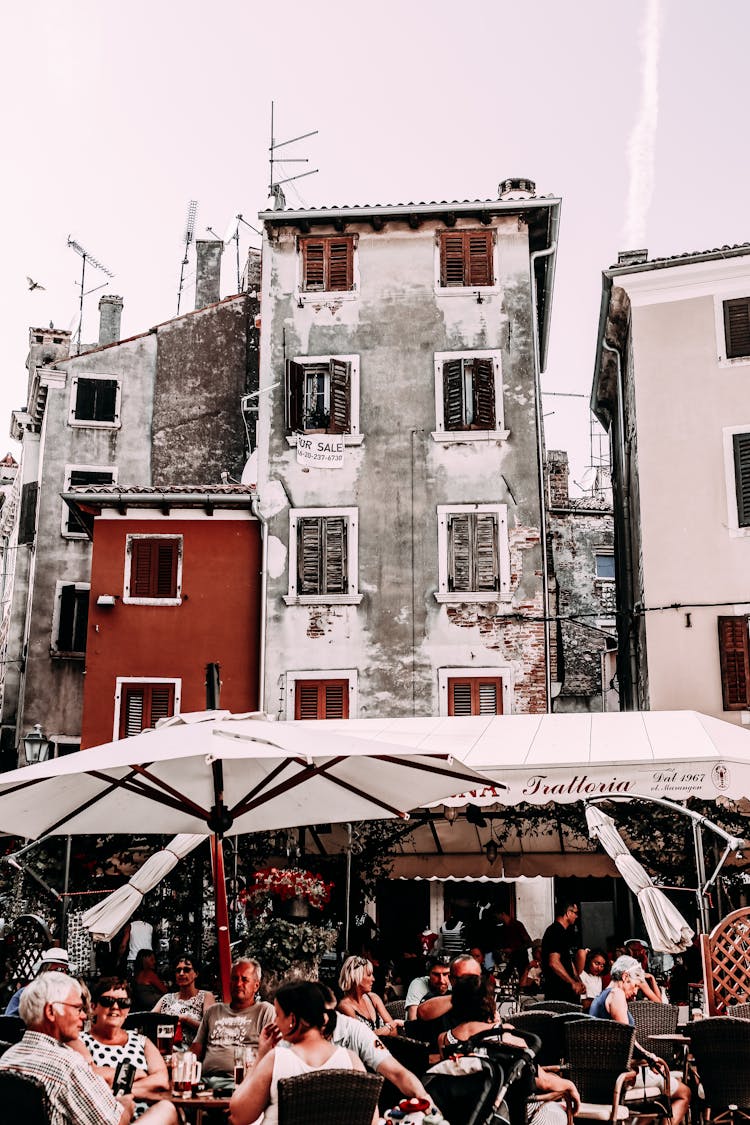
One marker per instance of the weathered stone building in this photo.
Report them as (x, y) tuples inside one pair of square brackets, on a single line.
[(581, 537), (160, 408), (400, 457)]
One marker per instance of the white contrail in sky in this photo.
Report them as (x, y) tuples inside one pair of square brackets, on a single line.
[(641, 146)]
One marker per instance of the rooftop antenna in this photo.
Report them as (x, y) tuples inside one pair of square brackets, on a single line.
[(187, 239), (274, 186), (85, 257), (232, 234)]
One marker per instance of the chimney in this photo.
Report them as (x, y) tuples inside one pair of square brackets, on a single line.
[(516, 187), (632, 257), (208, 272), (110, 314), (557, 478)]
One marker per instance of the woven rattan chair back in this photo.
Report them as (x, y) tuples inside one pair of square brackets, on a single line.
[(396, 1009), (329, 1097), (739, 1011), (597, 1052), (549, 1029), (555, 1006), (23, 1099), (721, 1049), (655, 1019)]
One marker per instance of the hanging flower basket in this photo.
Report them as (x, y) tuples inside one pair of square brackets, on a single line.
[(287, 885)]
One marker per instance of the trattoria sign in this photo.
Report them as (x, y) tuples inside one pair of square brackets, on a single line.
[(320, 451), (577, 784)]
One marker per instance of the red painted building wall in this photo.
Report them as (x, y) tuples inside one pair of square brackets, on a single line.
[(218, 619)]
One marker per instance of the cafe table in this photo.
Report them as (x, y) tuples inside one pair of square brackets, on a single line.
[(195, 1106)]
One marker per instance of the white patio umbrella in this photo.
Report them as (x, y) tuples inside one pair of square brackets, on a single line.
[(211, 772), (110, 915), (667, 930)]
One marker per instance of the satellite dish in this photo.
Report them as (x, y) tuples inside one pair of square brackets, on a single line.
[(250, 472), (232, 227)]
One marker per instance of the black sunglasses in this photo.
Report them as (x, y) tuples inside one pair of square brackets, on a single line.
[(114, 1002), (184, 969)]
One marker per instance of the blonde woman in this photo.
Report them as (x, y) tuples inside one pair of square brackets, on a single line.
[(359, 1001)]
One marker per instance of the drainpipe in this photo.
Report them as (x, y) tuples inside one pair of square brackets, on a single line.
[(540, 469), (255, 509), (627, 552)]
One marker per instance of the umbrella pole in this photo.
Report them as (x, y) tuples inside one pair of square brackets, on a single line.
[(348, 906), (222, 915)]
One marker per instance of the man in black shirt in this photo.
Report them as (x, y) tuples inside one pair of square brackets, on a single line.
[(559, 977)]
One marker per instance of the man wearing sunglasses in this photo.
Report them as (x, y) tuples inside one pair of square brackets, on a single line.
[(54, 1012), (560, 978)]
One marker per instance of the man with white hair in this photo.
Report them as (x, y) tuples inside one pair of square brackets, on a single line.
[(54, 1012)]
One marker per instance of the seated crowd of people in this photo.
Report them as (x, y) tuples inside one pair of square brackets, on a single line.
[(74, 1040)]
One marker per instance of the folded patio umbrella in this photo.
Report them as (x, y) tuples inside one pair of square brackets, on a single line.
[(603, 828), (110, 915), (667, 930)]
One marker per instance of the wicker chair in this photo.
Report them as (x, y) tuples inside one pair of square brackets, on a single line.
[(721, 1051), (598, 1054), (329, 1097), (396, 1009), (550, 1030), (555, 1006), (23, 1098), (656, 1019), (739, 1011), (411, 1053)]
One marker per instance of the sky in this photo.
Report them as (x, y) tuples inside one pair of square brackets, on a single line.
[(114, 117)]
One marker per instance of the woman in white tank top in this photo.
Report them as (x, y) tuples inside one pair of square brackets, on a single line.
[(300, 1019)]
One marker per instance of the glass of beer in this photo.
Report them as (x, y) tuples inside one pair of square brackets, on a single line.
[(239, 1064), (164, 1037)]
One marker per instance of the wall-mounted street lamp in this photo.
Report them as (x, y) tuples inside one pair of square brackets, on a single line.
[(36, 745)]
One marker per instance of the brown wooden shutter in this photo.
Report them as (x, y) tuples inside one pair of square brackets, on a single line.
[(484, 394), (475, 696), (452, 264), (340, 264), (295, 388), (142, 705), (741, 443), (737, 327), (479, 257), (486, 570), (321, 699), (153, 568), (340, 397), (734, 659), (313, 264), (335, 572), (27, 518), (308, 555), (459, 551), (453, 395)]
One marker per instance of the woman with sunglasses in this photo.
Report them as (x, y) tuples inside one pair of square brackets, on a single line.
[(360, 1002), (107, 1042), (189, 1002)]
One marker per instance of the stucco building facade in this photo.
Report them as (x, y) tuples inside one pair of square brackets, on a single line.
[(670, 384)]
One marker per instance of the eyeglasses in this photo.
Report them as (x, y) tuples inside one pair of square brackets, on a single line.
[(114, 1002), (67, 1004), (184, 969)]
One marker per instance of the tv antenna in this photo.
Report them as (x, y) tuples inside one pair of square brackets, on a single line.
[(85, 257), (187, 239), (274, 186), (232, 234)]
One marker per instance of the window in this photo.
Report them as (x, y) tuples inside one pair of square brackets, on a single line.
[(80, 476), (737, 327), (153, 569), (468, 396), (94, 401), (321, 699), (734, 661), (139, 704), (322, 394), (474, 691), (27, 518), (70, 619), (323, 546), (327, 264), (736, 440), (605, 565), (466, 258), (474, 557)]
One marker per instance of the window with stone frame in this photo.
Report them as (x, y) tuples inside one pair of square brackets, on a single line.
[(95, 401), (741, 450), (469, 394), (143, 704), (321, 699), (466, 258), (79, 477), (153, 568), (473, 556), (322, 555), (70, 620), (737, 327), (475, 695), (327, 263), (734, 662), (319, 395)]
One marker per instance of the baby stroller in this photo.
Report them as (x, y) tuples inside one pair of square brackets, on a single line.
[(487, 1082)]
